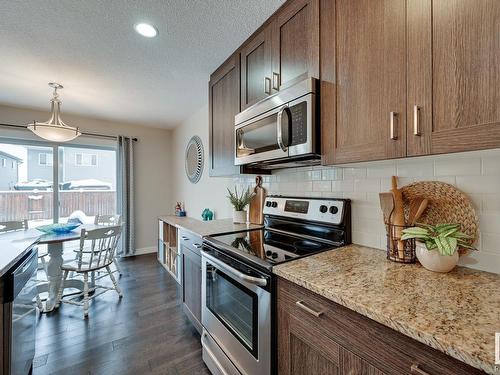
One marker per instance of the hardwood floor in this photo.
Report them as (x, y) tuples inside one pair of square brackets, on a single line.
[(144, 333)]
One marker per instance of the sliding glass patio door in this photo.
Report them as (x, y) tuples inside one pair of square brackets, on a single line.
[(44, 182)]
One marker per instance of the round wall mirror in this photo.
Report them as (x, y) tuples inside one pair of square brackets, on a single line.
[(194, 159)]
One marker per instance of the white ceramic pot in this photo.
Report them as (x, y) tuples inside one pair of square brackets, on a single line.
[(239, 217), (434, 261)]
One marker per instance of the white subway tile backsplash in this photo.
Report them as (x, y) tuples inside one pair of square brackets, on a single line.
[(322, 185), (457, 166), (369, 185), (475, 173), (479, 184)]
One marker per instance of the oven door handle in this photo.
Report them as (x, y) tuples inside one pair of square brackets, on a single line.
[(260, 281)]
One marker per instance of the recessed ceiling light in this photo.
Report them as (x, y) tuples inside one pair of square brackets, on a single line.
[(145, 29)]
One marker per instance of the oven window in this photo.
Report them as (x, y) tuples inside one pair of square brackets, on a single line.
[(234, 305)]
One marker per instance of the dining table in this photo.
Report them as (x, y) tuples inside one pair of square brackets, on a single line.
[(55, 248)]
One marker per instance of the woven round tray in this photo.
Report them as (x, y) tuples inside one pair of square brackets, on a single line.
[(447, 204)]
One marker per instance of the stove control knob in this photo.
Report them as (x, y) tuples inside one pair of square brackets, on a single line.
[(323, 208), (274, 204), (274, 255), (269, 253), (334, 210), (268, 204)]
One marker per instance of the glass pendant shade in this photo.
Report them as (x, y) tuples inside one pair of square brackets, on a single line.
[(55, 129)]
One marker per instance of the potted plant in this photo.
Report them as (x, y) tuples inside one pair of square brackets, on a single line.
[(239, 203), (437, 245)]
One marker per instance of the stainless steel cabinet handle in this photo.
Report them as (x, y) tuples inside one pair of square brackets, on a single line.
[(276, 81), (393, 116), (184, 238), (197, 245), (301, 304), (417, 371), (267, 85), (416, 120), (279, 130)]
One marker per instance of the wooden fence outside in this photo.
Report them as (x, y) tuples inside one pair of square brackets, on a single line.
[(19, 205)]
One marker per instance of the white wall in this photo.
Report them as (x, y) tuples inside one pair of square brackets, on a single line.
[(152, 164), (209, 192), (475, 173)]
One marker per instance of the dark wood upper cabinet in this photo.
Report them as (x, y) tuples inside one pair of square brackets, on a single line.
[(256, 71), (453, 76), (295, 43), (364, 73), (224, 104)]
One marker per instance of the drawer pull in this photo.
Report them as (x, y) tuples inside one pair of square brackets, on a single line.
[(417, 371), (301, 304)]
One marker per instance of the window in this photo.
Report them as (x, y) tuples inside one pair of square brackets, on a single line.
[(45, 159), (86, 160)]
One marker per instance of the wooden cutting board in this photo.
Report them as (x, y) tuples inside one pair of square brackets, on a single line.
[(256, 215)]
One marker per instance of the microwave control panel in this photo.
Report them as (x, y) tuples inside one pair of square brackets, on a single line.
[(299, 123)]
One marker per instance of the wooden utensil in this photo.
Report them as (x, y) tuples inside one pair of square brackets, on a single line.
[(417, 208), (256, 215), (387, 206), (398, 215)]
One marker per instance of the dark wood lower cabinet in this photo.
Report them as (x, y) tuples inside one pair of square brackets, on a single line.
[(322, 337)]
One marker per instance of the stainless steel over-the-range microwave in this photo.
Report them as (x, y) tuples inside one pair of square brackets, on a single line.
[(281, 130)]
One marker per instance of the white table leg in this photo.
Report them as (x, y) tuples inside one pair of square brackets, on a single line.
[(54, 273)]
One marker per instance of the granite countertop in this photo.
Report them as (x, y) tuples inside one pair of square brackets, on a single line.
[(207, 228), (457, 313), (13, 246)]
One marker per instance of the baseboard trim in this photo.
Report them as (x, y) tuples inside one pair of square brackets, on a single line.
[(145, 250)]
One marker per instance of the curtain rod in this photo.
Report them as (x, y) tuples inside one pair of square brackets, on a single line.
[(83, 133)]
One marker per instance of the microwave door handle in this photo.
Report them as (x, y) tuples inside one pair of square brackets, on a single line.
[(279, 128), (234, 272)]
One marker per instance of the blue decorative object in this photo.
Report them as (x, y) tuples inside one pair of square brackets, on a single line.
[(207, 215), (58, 228)]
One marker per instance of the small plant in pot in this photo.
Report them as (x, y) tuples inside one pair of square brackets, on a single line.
[(437, 245), (239, 203)]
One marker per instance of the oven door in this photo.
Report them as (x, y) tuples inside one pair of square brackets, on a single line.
[(287, 130), (236, 312)]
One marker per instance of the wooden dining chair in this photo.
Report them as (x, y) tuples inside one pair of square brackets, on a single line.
[(103, 243), (17, 225)]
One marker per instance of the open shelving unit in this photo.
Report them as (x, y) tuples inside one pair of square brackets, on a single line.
[(168, 249)]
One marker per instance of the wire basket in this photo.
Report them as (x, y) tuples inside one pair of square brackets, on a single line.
[(401, 251)]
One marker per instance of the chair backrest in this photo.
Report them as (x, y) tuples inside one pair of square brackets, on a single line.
[(108, 220), (102, 242), (10, 226)]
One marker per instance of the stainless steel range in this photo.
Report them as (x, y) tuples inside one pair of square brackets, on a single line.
[(238, 298)]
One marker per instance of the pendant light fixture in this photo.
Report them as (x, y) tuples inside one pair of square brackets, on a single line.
[(55, 129)]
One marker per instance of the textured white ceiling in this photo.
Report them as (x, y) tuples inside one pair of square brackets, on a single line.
[(107, 69)]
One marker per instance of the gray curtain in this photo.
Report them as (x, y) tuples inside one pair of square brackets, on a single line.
[(126, 194)]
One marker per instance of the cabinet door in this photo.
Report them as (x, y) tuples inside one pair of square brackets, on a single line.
[(191, 285), (453, 75), (302, 350), (256, 69), (354, 365), (296, 43), (224, 104), (363, 62)]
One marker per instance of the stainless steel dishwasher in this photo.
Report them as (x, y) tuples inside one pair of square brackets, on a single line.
[(19, 315)]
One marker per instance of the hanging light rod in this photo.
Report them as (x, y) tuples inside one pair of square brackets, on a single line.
[(83, 133), (55, 129)]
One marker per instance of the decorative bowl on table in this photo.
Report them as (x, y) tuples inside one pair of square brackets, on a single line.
[(58, 228)]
